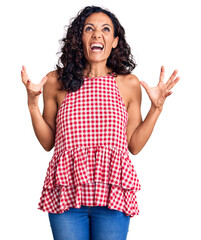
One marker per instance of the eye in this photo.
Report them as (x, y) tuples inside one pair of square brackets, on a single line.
[(106, 29), (88, 28)]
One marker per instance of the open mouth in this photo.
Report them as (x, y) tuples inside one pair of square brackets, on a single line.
[(96, 47)]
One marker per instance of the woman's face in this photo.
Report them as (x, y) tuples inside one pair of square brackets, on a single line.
[(98, 37)]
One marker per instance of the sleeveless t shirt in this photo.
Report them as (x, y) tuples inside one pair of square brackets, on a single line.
[(90, 165)]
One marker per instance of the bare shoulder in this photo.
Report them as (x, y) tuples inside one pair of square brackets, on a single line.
[(53, 73), (52, 78), (131, 85), (52, 84), (131, 80)]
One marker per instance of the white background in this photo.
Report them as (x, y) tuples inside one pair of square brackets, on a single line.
[(159, 33)]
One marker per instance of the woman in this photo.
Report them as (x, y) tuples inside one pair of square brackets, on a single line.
[(92, 116)]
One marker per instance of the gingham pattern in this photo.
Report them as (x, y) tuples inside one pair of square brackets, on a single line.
[(90, 165)]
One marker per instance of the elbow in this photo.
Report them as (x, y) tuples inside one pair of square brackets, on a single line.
[(137, 150), (48, 148), (134, 151)]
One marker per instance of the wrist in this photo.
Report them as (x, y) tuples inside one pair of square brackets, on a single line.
[(156, 109), (32, 107)]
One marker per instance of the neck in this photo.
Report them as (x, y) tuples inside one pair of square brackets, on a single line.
[(96, 69)]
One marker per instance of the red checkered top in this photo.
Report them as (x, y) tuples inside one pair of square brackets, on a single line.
[(90, 165)]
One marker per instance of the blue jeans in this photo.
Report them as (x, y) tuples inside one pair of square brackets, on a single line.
[(89, 223)]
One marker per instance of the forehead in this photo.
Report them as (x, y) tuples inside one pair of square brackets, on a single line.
[(99, 19)]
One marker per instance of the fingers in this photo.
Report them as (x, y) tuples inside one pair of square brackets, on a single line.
[(29, 86), (162, 74), (43, 81), (25, 72), (37, 88), (168, 94), (24, 75), (28, 83), (172, 77), (171, 85), (31, 90)]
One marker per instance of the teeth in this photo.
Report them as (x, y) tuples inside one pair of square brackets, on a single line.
[(96, 45)]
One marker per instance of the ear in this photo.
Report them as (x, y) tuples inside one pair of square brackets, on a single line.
[(115, 42)]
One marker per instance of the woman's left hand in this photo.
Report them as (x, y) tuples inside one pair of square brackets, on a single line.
[(159, 93)]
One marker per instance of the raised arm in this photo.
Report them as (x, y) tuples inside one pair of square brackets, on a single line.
[(44, 125), (140, 131)]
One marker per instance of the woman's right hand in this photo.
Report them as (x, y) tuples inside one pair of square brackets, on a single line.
[(33, 90)]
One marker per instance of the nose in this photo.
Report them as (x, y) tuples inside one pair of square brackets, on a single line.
[(96, 34)]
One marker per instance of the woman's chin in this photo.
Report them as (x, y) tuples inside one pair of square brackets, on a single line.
[(96, 59)]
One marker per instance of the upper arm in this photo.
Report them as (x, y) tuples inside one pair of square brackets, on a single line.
[(50, 103), (134, 109)]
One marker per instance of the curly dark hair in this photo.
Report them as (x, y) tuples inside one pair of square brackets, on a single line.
[(71, 64)]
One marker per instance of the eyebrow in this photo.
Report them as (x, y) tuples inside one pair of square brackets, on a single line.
[(93, 25)]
